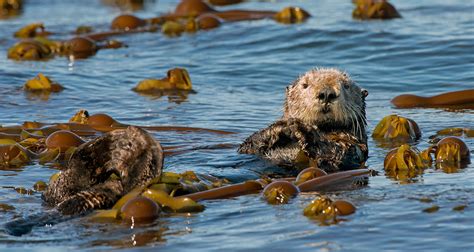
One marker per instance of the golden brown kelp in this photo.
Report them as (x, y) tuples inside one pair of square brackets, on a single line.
[(90, 125), (291, 15), (60, 145), (374, 9), (464, 132), (14, 156), (176, 79), (158, 190), (451, 154), (325, 210), (104, 122), (174, 204), (127, 22), (208, 22), (185, 183), (9, 8), (248, 187), (404, 163), (40, 48), (13, 137), (125, 5), (194, 8), (334, 179), (31, 30), (31, 49), (139, 210), (42, 83), (191, 16), (396, 129), (308, 174), (224, 2), (463, 99), (279, 192)]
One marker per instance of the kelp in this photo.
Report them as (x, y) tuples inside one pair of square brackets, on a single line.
[(396, 129), (14, 155), (451, 154), (374, 9), (41, 83), (404, 162), (30, 49), (291, 15), (176, 79), (31, 30), (279, 192), (461, 99)]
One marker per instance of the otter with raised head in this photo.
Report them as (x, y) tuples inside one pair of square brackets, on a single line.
[(323, 121)]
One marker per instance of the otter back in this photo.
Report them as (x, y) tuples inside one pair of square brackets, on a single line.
[(133, 155)]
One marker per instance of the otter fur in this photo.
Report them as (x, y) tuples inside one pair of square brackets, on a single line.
[(323, 121), (132, 154)]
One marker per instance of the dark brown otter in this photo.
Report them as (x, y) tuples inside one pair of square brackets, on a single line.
[(323, 121), (131, 154)]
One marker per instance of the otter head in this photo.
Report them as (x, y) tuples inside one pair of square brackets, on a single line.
[(131, 154), (135, 156), (328, 99)]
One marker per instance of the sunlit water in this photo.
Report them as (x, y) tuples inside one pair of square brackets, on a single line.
[(239, 72)]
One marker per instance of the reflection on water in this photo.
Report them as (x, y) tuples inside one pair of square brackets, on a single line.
[(175, 96), (239, 72), (133, 237)]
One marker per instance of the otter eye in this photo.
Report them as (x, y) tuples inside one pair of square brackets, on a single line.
[(347, 85), (305, 85)]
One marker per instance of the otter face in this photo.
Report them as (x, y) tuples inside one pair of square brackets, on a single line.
[(132, 152), (123, 152), (326, 97)]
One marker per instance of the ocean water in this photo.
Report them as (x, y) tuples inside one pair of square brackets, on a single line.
[(239, 72)]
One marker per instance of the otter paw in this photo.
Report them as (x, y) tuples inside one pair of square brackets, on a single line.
[(68, 208), (75, 205)]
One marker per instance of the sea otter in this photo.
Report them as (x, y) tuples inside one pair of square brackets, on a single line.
[(99, 173), (324, 121), (133, 155)]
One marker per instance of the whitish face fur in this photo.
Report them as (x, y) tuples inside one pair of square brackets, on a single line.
[(327, 97)]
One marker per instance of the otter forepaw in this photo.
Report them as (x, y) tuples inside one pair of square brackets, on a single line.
[(96, 198), (304, 134), (75, 205), (327, 165)]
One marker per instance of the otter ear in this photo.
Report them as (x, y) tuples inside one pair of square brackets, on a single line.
[(364, 93), (290, 86)]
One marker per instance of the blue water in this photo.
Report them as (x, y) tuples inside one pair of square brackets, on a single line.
[(239, 72)]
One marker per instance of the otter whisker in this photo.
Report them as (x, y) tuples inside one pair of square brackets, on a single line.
[(355, 123), (354, 116), (362, 122), (357, 115)]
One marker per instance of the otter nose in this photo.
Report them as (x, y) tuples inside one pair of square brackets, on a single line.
[(327, 96)]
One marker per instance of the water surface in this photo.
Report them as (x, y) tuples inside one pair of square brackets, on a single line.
[(239, 72)]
